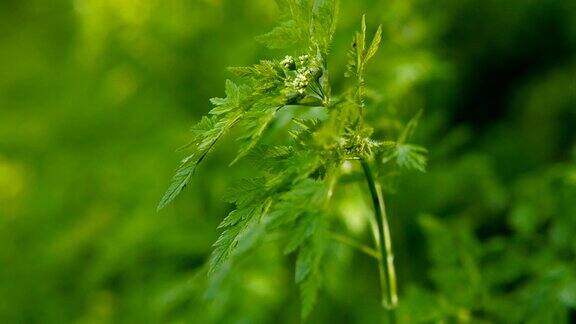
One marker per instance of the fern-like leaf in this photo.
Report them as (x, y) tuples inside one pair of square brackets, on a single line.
[(206, 134), (286, 35), (294, 30), (233, 100), (358, 55), (375, 45), (308, 275), (407, 156), (243, 230), (324, 20)]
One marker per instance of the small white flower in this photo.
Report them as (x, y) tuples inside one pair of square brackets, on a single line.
[(287, 61)]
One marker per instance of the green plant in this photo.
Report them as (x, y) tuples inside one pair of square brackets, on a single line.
[(296, 175)]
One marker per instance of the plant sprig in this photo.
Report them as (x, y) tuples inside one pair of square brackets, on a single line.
[(297, 174)]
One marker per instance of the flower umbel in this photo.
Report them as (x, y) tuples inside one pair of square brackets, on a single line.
[(300, 74)]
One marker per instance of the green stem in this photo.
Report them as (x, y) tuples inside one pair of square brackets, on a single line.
[(386, 264), (354, 244), (361, 104)]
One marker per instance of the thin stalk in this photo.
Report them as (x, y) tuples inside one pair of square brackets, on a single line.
[(354, 244), (384, 242), (361, 104)]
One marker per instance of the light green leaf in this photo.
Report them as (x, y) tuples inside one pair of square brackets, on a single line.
[(406, 156), (374, 45), (308, 274), (246, 191), (235, 217), (179, 182), (206, 133), (238, 238), (305, 227), (232, 101), (324, 21), (309, 288), (304, 263), (255, 124), (305, 195), (411, 157), (286, 35)]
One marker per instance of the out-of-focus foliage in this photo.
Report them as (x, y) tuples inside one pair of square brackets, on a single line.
[(95, 96)]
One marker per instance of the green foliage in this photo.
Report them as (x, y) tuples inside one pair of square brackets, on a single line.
[(206, 134), (406, 156), (295, 176), (294, 30), (308, 24), (94, 95), (359, 55), (323, 23)]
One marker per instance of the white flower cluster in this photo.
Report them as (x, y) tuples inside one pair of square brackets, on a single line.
[(300, 81), (287, 62), (304, 73), (303, 59)]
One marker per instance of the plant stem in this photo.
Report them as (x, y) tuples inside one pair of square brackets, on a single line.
[(384, 241), (354, 244)]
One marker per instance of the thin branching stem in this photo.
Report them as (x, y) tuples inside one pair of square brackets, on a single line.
[(384, 241), (354, 244)]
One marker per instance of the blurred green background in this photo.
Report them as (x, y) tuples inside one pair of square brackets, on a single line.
[(96, 95)]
